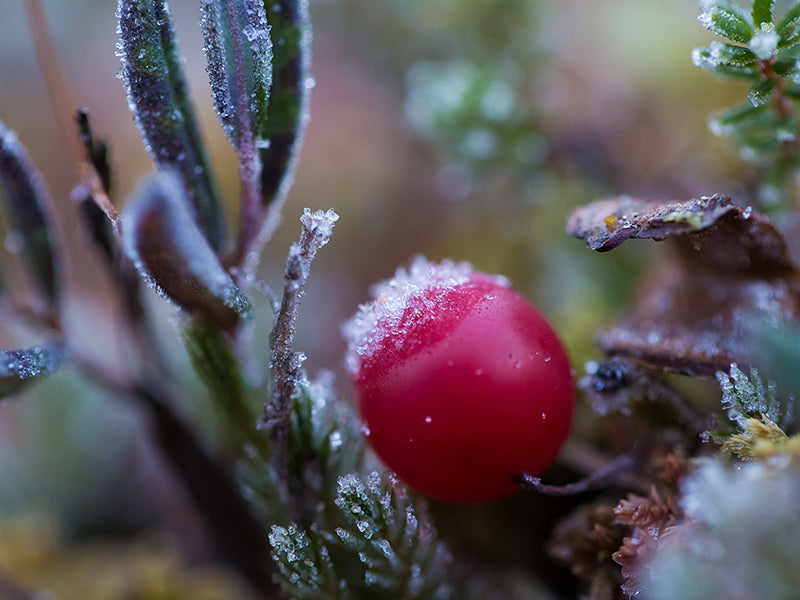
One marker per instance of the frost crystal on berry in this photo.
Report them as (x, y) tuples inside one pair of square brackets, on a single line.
[(375, 320)]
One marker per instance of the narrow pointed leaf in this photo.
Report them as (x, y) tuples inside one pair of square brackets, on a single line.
[(760, 92), (725, 62), (727, 20), (159, 99), (789, 28), (253, 31), (739, 117), (172, 254), (788, 69), (730, 55), (21, 367), (283, 126), (724, 55), (763, 11), (28, 209), (788, 25)]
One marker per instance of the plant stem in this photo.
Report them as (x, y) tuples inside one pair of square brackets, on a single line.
[(236, 533), (285, 363)]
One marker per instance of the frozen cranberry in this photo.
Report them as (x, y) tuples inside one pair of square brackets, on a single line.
[(461, 383)]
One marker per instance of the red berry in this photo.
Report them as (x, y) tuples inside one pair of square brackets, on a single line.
[(461, 383)]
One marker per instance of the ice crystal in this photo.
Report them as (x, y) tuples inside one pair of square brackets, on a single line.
[(382, 317), (764, 43), (17, 367)]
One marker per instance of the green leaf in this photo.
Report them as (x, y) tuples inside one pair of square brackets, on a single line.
[(727, 20), (760, 92), (790, 34), (763, 11), (788, 69), (253, 34), (173, 255), (324, 438), (744, 115), (385, 549), (159, 99), (305, 568), (21, 367), (744, 397), (727, 61), (398, 553), (28, 209), (789, 27), (291, 87), (730, 55)]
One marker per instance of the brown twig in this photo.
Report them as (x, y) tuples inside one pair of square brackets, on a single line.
[(64, 107)]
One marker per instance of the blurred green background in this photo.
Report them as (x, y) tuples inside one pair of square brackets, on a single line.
[(452, 128)]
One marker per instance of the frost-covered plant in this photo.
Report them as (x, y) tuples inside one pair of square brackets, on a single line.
[(745, 397), (383, 548), (761, 49), (761, 418), (283, 446), (739, 539)]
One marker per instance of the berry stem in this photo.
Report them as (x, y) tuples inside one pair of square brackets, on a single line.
[(610, 473)]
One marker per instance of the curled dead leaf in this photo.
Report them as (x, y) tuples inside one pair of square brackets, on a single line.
[(694, 313)]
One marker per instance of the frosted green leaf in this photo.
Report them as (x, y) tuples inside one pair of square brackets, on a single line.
[(173, 255), (789, 27), (719, 54), (760, 92), (21, 367), (726, 60), (788, 69), (386, 549), (324, 438), (762, 11), (159, 100), (28, 210), (305, 569), (726, 20), (253, 33), (745, 397), (729, 121)]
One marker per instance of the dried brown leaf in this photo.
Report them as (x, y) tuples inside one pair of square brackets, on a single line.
[(694, 313)]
